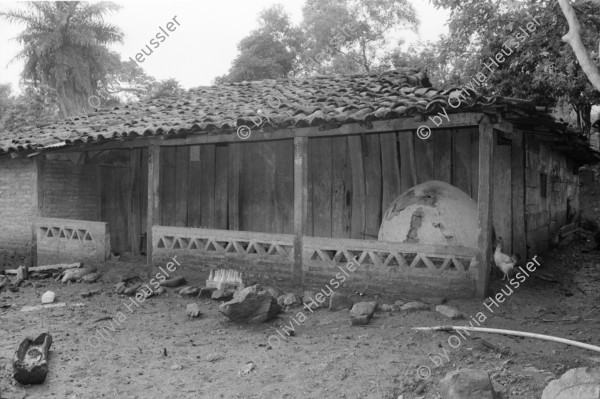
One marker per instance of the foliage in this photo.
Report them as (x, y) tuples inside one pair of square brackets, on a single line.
[(334, 36), (542, 69), (64, 48), (352, 35), (35, 106), (165, 88), (268, 52)]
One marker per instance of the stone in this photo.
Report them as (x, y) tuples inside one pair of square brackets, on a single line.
[(308, 297), (206, 292), (176, 281), (251, 305), (467, 384), (281, 300), (291, 300), (339, 301), (362, 312), (437, 300), (398, 304), (91, 278), (193, 310), (189, 291), (275, 292), (580, 383), (221, 295), (48, 297), (449, 312), (414, 307), (387, 308)]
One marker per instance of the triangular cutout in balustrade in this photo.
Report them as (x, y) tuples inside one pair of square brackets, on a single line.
[(230, 248), (284, 251), (88, 237), (168, 241), (251, 250), (161, 243), (418, 263), (211, 246), (272, 250)]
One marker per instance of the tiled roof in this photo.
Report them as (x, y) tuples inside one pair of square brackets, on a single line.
[(315, 101)]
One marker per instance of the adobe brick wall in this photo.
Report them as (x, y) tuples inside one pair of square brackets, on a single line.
[(16, 211), (70, 191)]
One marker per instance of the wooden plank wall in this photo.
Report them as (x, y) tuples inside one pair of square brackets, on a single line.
[(240, 186), (353, 180), (545, 215)]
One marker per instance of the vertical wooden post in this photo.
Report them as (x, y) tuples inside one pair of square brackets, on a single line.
[(518, 194), (300, 202), (134, 202), (37, 203), (235, 164), (153, 199), (484, 205)]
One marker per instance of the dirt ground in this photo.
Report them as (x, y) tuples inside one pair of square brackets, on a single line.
[(158, 352)]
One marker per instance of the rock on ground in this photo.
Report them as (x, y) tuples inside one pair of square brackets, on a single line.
[(281, 300), (291, 300), (309, 298), (221, 295), (580, 383), (275, 292), (251, 305), (438, 300), (467, 384), (414, 307), (193, 310), (449, 312), (48, 297), (339, 301), (206, 292), (362, 312), (188, 291)]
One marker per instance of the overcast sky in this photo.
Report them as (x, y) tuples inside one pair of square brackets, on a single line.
[(203, 45)]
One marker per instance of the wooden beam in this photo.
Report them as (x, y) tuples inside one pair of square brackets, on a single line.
[(235, 164), (484, 206), (37, 203), (134, 203), (300, 203), (390, 125), (519, 237), (356, 159), (153, 200)]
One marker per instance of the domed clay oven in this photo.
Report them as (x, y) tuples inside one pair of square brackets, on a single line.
[(432, 213)]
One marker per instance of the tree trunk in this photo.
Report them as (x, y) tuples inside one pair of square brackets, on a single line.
[(573, 38), (73, 103)]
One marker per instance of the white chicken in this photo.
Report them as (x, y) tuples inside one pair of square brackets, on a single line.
[(503, 261)]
